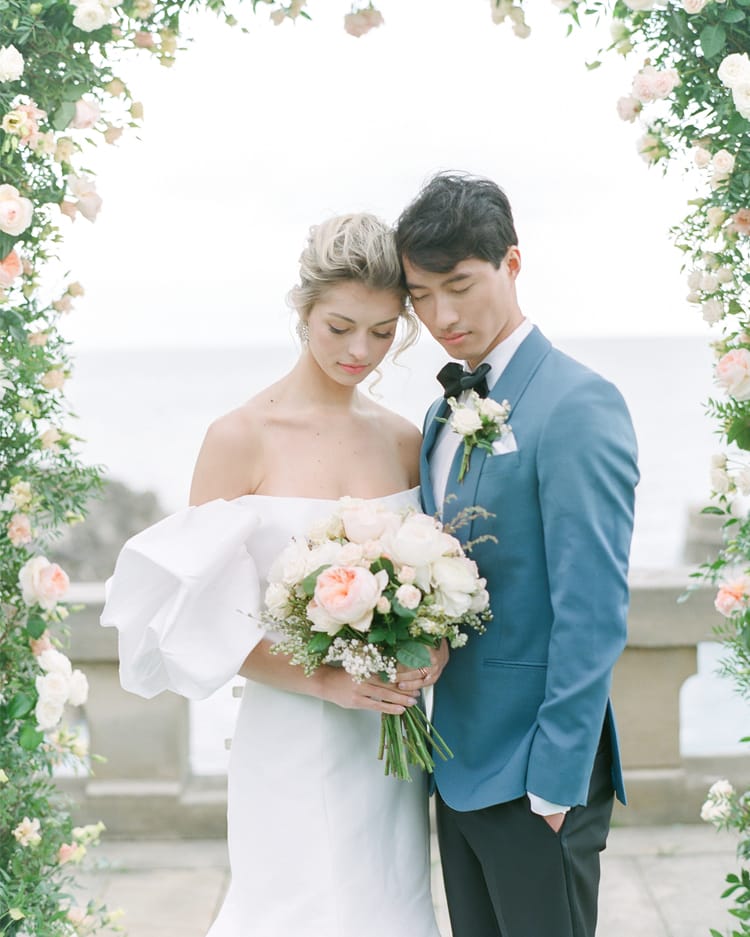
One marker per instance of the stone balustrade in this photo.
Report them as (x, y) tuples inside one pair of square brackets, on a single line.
[(145, 786)]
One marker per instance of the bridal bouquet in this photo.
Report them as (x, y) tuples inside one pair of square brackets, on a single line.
[(369, 589)]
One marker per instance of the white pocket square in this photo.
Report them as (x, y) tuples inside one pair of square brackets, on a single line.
[(505, 444)]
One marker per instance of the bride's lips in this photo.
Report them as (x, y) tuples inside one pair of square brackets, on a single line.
[(353, 368)]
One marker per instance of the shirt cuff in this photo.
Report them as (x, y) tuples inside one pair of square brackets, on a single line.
[(544, 807)]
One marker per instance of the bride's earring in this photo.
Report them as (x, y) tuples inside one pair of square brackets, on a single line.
[(303, 331)]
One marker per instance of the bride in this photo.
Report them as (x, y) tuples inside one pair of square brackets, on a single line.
[(321, 843)]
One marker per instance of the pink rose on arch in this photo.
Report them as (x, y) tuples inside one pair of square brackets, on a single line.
[(10, 267), (628, 108), (733, 373), (740, 222), (42, 583), (41, 644), (733, 596), (89, 201), (86, 115), (15, 211), (19, 530), (344, 595)]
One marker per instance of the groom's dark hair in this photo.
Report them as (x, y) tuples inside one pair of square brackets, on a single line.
[(456, 216)]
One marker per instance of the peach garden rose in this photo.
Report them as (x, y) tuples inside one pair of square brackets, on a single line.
[(344, 595), (733, 373), (733, 596), (42, 583)]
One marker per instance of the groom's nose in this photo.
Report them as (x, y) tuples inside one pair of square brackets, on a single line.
[(445, 313)]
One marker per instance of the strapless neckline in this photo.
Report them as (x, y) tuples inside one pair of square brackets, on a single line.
[(394, 494)]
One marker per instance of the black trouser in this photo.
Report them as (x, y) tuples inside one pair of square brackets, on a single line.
[(508, 874)]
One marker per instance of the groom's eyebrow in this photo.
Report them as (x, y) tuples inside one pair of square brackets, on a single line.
[(375, 324), (457, 277)]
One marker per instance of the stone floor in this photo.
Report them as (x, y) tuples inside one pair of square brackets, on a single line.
[(656, 882)]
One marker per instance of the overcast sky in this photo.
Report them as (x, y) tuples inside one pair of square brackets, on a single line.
[(252, 138)]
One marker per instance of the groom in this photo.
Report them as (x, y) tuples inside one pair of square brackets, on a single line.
[(523, 808)]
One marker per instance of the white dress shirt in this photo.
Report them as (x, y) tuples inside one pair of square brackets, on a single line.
[(441, 460)]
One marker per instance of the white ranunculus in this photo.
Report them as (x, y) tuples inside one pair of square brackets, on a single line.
[(277, 599), (465, 421), (53, 687), (408, 596), (721, 483), (48, 713), (701, 157), (721, 788), (11, 64), (53, 661), (363, 522), (91, 15), (734, 69), (418, 542), (79, 688), (492, 409)]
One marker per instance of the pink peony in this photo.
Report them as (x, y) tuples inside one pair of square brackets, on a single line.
[(10, 267), (732, 597), (19, 530), (733, 373), (344, 595)]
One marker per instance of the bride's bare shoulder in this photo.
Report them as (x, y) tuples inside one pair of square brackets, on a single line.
[(230, 461)]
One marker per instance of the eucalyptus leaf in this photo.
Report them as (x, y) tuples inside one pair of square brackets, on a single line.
[(712, 39), (413, 655)]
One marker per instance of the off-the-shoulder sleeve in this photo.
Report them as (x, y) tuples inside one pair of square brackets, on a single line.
[(185, 598)]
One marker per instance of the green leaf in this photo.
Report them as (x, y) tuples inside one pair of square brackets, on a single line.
[(63, 115), (376, 635), (383, 563), (20, 706), (733, 16), (320, 643), (7, 243), (712, 510), (712, 39), (398, 609), (309, 582), (30, 738), (36, 626), (739, 433), (413, 655)]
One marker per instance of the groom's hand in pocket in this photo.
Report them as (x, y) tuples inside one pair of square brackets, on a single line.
[(555, 821), (411, 680)]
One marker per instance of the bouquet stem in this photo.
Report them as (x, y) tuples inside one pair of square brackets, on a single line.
[(410, 739)]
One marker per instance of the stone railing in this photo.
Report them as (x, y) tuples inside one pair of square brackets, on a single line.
[(145, 786)]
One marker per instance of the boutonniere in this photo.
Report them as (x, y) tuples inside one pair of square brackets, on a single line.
[(480, 420)]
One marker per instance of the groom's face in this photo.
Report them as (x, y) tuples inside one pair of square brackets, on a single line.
[(469, 309)]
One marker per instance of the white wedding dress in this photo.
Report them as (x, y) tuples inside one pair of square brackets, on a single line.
[(321, 843)]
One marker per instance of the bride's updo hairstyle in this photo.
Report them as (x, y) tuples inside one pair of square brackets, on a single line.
[(358, 247)]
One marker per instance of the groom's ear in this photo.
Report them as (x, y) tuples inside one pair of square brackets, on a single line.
[(513, 260)]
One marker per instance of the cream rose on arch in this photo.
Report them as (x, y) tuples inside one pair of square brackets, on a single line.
[(42, 583), (11, 64)]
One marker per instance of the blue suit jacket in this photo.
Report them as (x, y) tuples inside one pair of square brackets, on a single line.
[(523, 706)]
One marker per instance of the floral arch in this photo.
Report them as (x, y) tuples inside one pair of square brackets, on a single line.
[(61, 96)]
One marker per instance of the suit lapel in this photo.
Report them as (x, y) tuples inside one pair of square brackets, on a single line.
[(431, 429)]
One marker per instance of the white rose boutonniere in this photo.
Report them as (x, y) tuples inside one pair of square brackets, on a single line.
[(480, 420)]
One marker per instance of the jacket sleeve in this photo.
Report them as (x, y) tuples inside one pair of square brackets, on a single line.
[(587, 475)]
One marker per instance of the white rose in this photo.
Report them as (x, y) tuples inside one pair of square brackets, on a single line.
[(383, 605), (79, 688), (723, 162), (741, 98), (628, 108), (719, 460), (465, 421), (455, 581), (693, 6), (712, 311), (743, 481), (725, 275), (53, 688), (492, 410), (734, 69), (351, 554), (480, 600), (721, 483), (408, 596), (693, 297), (15, 211), (710, 260), (709, 282), (48, 713), (407, 574), (640, 5), (11, 64), (290, 566), (277, 599), (694, 279), (721, 788), (713, 812), (701, 157), (364, 522), (91, 15), (21, 494), (324, 554), (53, 661), (417, 542)]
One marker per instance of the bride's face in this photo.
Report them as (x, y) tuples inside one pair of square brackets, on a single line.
[(351, 329)]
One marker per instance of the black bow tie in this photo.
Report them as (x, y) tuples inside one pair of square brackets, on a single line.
[(454, 379)]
